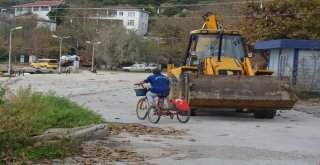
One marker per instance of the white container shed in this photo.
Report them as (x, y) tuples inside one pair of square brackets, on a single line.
[(299, 59)]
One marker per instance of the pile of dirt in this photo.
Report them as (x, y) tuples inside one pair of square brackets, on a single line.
[(138, 129), (105, 151), (110, 149)]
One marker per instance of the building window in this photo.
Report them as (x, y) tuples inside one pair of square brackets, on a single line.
[(131, 14), (19, 9), (130, 23), (28, 9), (44, 8), (36, 8), (120, 13)]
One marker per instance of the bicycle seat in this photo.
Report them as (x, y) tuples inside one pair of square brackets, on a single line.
[(162, 96)]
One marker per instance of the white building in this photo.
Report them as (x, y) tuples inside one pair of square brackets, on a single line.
[(40, 8), (132, 18), (298, 59), (51, 25)]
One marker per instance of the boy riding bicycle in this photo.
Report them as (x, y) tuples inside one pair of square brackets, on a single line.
[(159, 86)]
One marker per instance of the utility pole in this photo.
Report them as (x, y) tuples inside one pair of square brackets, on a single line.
[(54, 36), (10, 37), (158, 50)]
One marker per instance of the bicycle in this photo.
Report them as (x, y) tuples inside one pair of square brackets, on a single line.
[(154, 113), (142, 105)]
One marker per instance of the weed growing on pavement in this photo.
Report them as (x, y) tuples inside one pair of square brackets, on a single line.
[(29, 113)]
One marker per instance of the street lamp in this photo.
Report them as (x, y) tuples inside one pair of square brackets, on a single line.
[(16, 28), (60, 49), (93, 43)]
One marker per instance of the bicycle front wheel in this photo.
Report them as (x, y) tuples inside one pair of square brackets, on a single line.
[(183, 116), (142, 109), (154, 115)]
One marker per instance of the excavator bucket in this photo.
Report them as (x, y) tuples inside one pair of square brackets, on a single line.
[(238, 92)]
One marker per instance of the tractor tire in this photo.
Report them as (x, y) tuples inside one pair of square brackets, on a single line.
[(174, 86), (193, 112), (264, 114), (243, 111), (186, 95)]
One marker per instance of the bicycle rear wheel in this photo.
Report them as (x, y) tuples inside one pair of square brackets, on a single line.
[(142, 108), (183, 116), (154, 115)]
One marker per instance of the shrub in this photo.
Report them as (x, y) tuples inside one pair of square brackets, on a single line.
[(29, 113)]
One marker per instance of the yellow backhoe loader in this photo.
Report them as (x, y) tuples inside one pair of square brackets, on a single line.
[(217, 74)]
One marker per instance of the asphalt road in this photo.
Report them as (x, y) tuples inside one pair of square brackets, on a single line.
[(213, 137)]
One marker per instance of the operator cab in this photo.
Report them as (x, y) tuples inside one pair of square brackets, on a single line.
[(207, 45)]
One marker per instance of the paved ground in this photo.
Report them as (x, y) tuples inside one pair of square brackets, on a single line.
[(213, 137)]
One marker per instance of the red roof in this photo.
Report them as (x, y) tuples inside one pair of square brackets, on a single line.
[(41, 3)]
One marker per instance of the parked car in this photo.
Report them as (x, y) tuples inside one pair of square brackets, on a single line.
[(45, 63), (138, 68), (4, 69)]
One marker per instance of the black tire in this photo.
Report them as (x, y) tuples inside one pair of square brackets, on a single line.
[(174, 86), (193, 112), (186, 94), (154, 115), (243, 111), (239, 110), (183, 116), (142, 109), (148, 70), (264, 114), (126, 70)]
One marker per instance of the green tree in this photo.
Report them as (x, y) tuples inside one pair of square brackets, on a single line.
[(58, 14), (281, 19), (120, 46)]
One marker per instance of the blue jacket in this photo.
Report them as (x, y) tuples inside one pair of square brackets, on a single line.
[(159, 84)]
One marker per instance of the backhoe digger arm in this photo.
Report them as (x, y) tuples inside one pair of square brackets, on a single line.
[(212, 21)]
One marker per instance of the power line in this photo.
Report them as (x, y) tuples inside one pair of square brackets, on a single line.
[(216, 3), (155, 18), (168, 6)]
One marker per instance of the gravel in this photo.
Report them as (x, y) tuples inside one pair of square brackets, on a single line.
[(309, 108)]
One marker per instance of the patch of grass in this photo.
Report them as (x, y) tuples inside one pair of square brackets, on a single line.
[(111, 126), (52, 151), (30, 113)]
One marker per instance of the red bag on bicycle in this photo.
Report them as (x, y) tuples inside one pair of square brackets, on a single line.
[(182, 104)]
